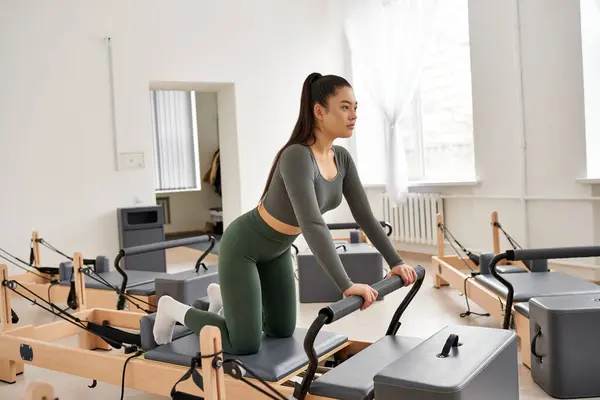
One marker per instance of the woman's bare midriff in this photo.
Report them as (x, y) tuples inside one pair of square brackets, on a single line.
[(274, 223)]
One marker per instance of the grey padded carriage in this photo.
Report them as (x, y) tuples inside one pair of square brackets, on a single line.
[(484, 266), (147, 289), (534, 284), (510, 269), (276, 359), (354, 380)]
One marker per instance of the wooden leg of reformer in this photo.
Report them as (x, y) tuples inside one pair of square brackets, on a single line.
[(36, 249), (214, 379), (437, 279), (87, 340), (522, 330), (39, 391), (8, 369)]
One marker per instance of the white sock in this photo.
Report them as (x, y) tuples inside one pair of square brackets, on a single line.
[(214, 296), (168, 312)]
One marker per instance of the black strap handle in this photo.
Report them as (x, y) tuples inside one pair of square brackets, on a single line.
[(451, 342), (197, 378), (341, 245), (71, 297), (533, 342), (14, 316)]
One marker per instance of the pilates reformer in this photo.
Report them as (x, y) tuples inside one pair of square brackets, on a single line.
[(312, 364), (527, 279), (558, 332), (107, 289)]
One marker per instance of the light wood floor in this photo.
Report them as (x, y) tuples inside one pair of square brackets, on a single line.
[(430, 311)]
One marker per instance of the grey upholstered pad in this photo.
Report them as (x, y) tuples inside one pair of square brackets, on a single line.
[(147, 334), (523, 308), (114, 278), (202, 303), (483, 367), (353, 379), (276, 359), (533, 284), (510, 269), (146, 289)]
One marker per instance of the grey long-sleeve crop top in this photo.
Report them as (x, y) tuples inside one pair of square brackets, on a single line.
[(299, 195)]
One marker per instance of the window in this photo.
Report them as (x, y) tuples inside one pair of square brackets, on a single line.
[(437, 128), (590, 42), (174, 127)]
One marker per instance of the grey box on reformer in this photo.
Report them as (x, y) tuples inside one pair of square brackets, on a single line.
[(138, 226), (187, 286), (457, 363), (564, 344), (363, 264)]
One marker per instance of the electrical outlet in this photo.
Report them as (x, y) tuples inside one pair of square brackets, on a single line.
[(131, 160)]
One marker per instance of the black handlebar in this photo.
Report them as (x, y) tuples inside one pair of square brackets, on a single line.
[(535, 254), (553, 253), (336, 226), (344, 307), (199, 263), (341, 308), (146, 248), (167, 244)]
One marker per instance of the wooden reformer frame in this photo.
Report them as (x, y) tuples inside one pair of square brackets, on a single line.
[(40, 284), (453, 271), (34, 345)]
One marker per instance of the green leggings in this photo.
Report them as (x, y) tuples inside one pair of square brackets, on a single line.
[(258, 288)]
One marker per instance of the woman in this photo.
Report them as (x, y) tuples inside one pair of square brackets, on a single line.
[(257, 290)]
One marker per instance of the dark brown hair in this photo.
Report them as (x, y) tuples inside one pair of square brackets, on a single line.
[(316, 89)]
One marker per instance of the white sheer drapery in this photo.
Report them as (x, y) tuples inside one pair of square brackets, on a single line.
[(388, 42)]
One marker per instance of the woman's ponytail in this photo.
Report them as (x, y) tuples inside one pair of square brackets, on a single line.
[(316, 89)]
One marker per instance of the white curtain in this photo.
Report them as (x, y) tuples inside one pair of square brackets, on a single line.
[(175, 140), (388, 41)]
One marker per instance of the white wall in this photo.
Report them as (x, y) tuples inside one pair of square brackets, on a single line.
[(539, 91), (58, 161), (190, 211)]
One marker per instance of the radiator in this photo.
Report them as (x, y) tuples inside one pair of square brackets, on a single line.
[(414, 221)]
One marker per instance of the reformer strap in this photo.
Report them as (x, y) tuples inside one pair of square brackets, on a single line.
[(14, 316), (193, 372), (31, 255), (72, 298), (233, 368), (512, 241), (43, 270), (54, 249), (12, 285), (115, 334), (473, 257)]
